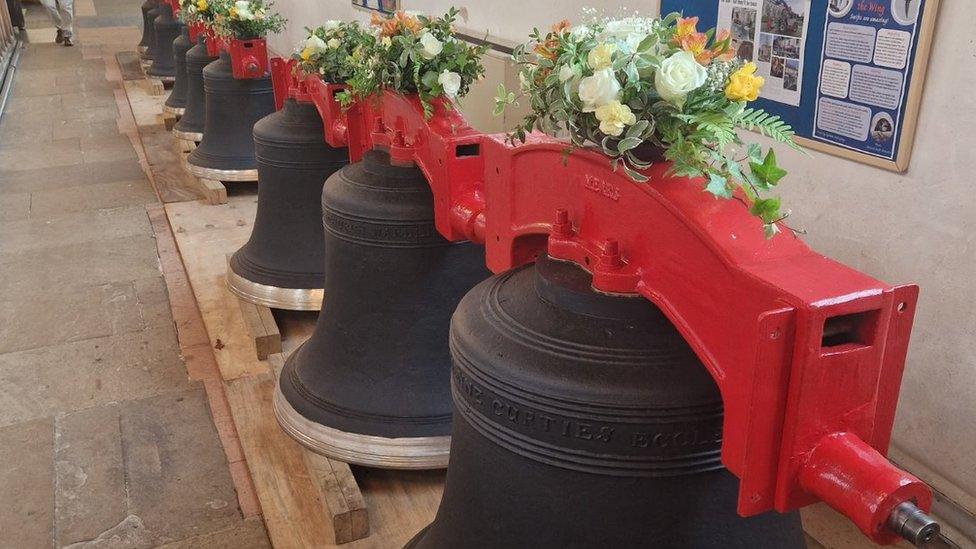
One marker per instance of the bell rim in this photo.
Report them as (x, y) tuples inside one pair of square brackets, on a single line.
[(175, 111), (222, 175), (406, 453), (142, 50), (274, 297), (195, 137), (162, 78)]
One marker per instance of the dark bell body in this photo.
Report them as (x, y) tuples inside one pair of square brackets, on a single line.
[(371, 386), (176, 102), (226, 152), (584, 420), (167, 29), (281, 264), (191, 124), (145, 42)]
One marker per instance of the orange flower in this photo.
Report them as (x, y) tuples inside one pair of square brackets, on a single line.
[(686, 26), (399, 23), (695, 44), (560, 27), (722, 47)]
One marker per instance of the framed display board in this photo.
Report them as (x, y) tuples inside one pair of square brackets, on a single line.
[(846, 74)]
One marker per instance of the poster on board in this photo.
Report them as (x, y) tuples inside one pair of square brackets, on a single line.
[(772, 34), (847, 75), (382, 6)]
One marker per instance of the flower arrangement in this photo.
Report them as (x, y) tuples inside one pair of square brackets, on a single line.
[(410, 53), (196, 11), (618, 84), (332, 50), (246, 19)]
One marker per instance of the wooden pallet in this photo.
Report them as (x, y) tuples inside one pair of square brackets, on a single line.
[(306, 499), (156, 87)]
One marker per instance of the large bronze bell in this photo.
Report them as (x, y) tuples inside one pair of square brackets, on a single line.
[(176, 102), (371, 386), (191, 124), (147, 29), (584, 420), (281, 264), (167, 28), (226, 152)]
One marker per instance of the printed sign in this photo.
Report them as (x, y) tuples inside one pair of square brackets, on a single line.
[(846, 74)]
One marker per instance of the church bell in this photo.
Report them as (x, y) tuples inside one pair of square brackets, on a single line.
[(191, 124), (372, 384), (281, 264), (176, 102), (233, 106), (584, 420), (167, 29), (147, 29)]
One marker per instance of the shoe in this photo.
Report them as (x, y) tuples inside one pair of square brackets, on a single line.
[(59, 37), (68, 42)]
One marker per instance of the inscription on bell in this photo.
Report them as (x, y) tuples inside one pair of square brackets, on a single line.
[(597, 185)]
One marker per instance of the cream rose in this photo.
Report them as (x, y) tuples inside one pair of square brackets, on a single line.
[(432, 46), (451, 82), (314, 44), (243, 9), (334, 43), (614, 117), (678, 76), (331, 24), (598, 90), (601, 56), (566, 72), (629, 31)]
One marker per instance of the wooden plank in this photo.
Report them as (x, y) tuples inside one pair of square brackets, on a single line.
[(173, 182), (214, 192), (169, 120), (340, 493), (267, 338), (129, 65), (156, 87)]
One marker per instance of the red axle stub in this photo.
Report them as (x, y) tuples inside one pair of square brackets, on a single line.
[(248, 58), (860, 483)]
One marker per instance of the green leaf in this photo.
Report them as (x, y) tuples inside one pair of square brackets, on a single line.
[(766, 209), (754, 151), (767, 172), (628, 143), (718, 186)]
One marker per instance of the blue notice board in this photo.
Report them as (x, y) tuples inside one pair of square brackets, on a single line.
[(846, 74)]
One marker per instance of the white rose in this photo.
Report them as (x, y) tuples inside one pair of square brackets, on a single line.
[(243, 9), (678, 76), (333, 43), (579, 31), (315, 44), (432, 46), (566, 72), (451, 82), (629, 31), (331, 24), (598, 90)]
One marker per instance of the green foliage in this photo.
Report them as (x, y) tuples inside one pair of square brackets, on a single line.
[(245, 19), (333, 50)]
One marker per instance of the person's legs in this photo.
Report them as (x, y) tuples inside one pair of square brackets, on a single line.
[(52, 10), (67, 17)]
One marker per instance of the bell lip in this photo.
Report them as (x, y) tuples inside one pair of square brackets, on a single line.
[(292, 299), (142, 50), (196, 137), (146, 63), (409, 453), (222, 175), (176, 111), (162, 78)]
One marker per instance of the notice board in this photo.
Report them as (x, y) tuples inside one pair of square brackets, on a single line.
[(846, 74)]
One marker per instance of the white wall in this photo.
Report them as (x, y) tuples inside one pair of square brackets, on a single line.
[(919, 226)]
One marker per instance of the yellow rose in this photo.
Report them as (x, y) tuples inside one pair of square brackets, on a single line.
[(744, 85), (306, 53), (613, 117), (601, 56), (232, 13), (202, 5)]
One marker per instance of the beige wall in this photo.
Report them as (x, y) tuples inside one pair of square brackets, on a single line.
[(917, 226)]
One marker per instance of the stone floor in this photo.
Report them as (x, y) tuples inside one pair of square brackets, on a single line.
[(104, 441)]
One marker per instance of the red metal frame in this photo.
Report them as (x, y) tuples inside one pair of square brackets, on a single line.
[(808, 353), (248, 58), (194, 29)]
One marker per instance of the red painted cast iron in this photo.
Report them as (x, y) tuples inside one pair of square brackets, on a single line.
[(808, 353)]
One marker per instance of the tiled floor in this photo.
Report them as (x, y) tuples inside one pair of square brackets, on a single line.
[(104, 441)]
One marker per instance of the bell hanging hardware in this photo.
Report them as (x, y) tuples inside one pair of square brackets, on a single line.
[(807, 353), (248, 58)]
